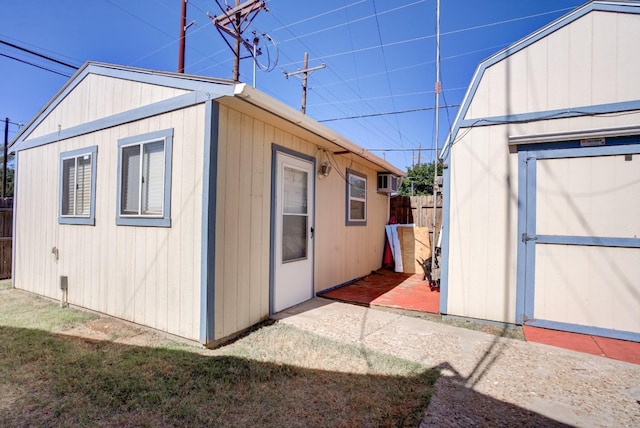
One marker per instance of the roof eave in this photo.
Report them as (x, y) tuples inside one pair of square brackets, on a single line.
[(267, 103)]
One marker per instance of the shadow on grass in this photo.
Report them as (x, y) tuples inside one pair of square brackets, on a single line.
[(53, 380)]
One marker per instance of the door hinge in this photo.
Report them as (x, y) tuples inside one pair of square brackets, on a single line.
[(526, 238)]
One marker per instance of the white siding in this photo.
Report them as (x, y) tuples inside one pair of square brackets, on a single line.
[(592, 61), (96, 97), (483, 228), (591, 286), (243, 219), (590, 196), (147, 275)]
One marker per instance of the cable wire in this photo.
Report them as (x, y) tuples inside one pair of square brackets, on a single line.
[(34, 65)]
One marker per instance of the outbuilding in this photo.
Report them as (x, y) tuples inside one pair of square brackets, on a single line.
[(192, 205), (542, 186)]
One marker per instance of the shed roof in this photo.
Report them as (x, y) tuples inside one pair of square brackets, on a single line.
[(204, 88), (619, 6)]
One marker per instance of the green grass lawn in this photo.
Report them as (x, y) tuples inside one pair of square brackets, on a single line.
[(275, 376)]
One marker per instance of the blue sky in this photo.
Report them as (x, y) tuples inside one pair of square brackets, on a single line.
[(379, 55)]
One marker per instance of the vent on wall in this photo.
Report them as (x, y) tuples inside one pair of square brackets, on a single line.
[(387, 183)]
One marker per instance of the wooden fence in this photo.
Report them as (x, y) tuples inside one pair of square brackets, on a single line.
[(416, 210), (6, 236)]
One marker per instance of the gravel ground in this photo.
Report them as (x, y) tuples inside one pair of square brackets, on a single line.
[(488, 380)]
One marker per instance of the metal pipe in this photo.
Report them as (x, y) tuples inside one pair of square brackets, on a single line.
[(436, 157)]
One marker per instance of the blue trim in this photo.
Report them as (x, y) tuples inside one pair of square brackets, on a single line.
[(553, 114), (560, 149), (209, 214), (559, 23), (275, 149), (530, 229), (624, 146), (14, 234), (212, 88), (165, 220), (272, 225), (140, 113), (160, 78), (446, 226), (588, 241), (348, 222), (527, 195), (91, 219), (522, 228), (583, 329)]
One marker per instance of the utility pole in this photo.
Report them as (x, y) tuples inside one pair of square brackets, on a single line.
[(183, 31), (4, 161), (236, 49), (183, 35), (233, 22), (305, 74)]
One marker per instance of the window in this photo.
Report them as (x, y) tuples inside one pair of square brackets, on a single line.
[(356, 199), (144, 179), (77, 186)]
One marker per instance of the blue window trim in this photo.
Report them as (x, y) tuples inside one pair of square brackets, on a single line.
[(165, 219), (347, 221), (91, 219)]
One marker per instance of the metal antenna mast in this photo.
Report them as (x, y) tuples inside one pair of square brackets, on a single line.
[(436, 158), (233, 22), (305, 74)]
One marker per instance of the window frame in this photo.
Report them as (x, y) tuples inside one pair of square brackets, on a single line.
[(164, 219), (75, 218), (348, 220)]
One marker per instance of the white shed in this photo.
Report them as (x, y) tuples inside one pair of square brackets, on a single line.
[(189, 204), (542, 190)]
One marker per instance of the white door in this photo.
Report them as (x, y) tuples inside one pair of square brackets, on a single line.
[(293, 232)]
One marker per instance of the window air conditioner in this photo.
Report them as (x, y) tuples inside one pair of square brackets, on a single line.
[(387, 183)]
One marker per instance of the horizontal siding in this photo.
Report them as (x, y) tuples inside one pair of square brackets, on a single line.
[(98, 97), (146, 275), (243, 220), (591, 61)]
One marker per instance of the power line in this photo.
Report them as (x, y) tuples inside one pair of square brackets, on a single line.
[(362, 116), (386, 68), (416, 39), (48, 58), (331, 70), (346, 6), (357, 20), (34, 65)]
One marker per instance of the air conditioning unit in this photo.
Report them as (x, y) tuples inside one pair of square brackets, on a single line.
[(387, 183)]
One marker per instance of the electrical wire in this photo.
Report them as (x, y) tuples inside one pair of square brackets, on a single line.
[(349, 87), (38, 54), (40, 48), (380, 131), (414, 110), (346, 6), (386, 67), (353, 22), (34, 65)]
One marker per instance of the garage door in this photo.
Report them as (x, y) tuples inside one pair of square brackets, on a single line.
[(581, 240)]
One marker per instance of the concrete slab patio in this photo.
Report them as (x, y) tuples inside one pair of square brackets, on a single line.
[(487, 380)]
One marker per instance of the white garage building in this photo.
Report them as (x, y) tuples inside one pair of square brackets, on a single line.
[(542, 190)]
